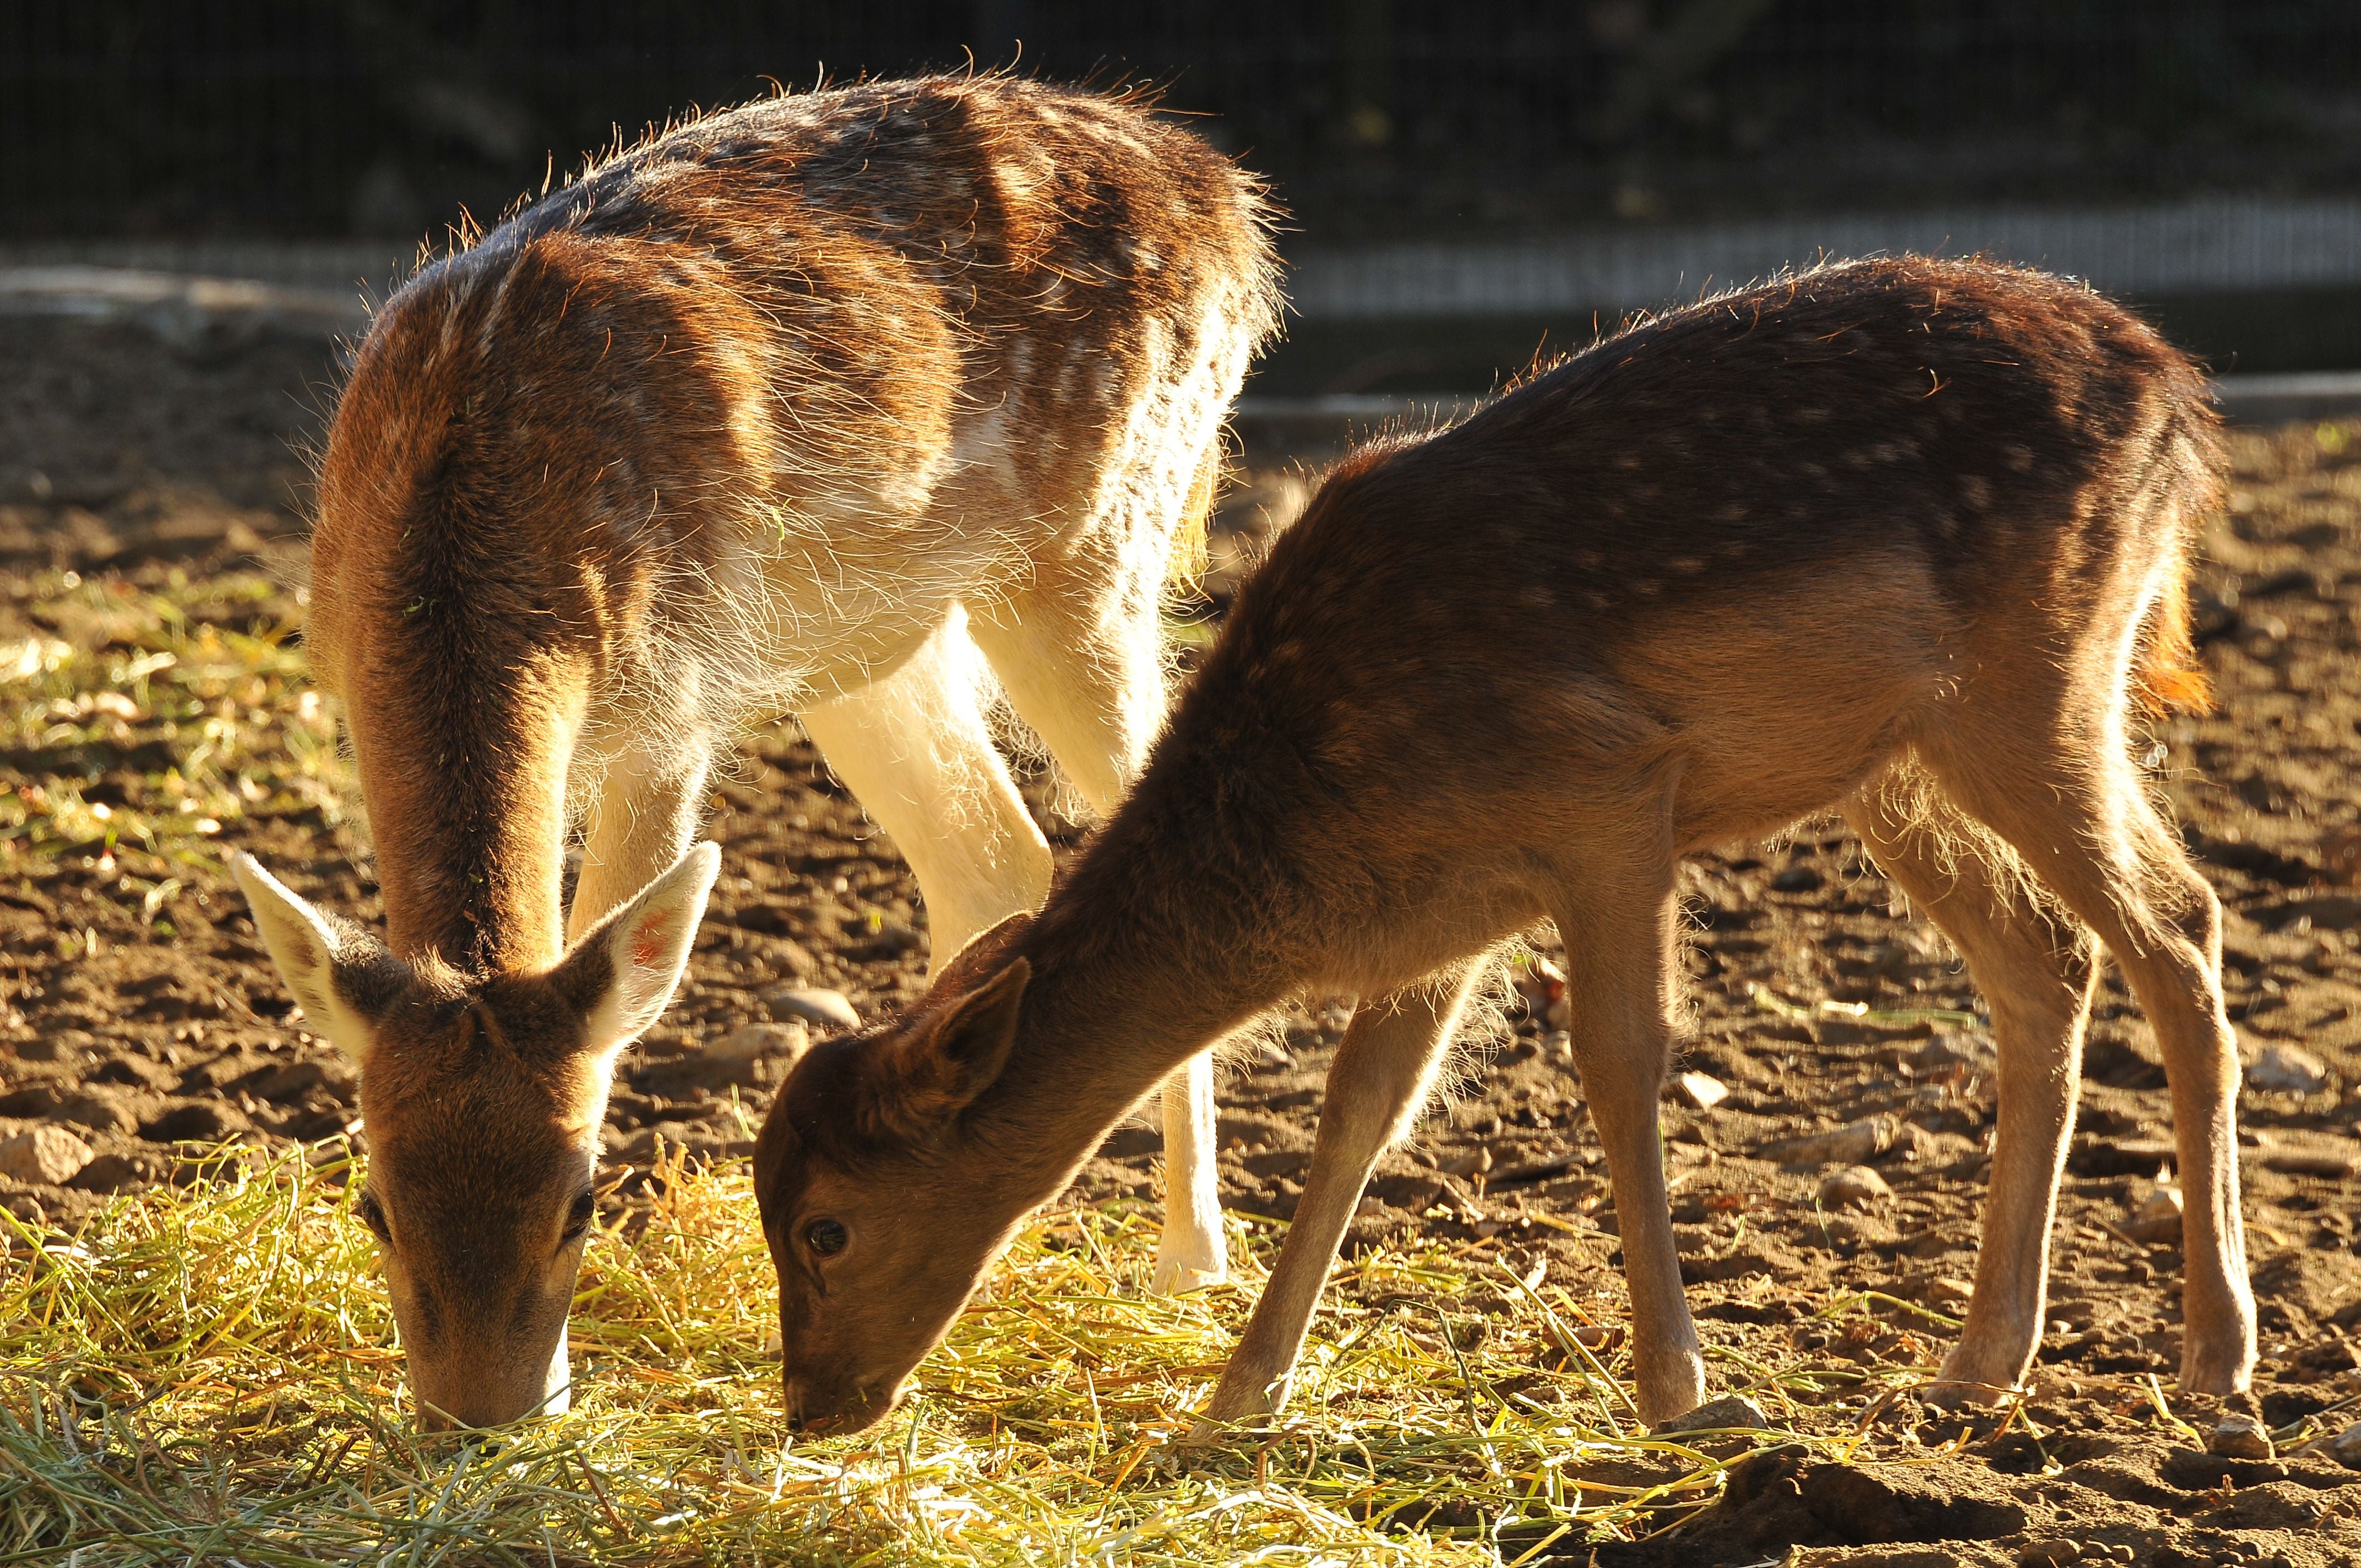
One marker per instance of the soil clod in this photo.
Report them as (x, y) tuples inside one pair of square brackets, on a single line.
[(44, 1153), (2240, 1437)]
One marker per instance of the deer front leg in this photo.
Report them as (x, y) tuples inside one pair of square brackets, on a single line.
[(645, 815), (1191, 1253), (1079, 653), (1381, 1073), (915, 751), (1618, 941)]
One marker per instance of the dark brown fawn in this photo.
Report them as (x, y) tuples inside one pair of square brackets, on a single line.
[(1905, 537), (822, 404)]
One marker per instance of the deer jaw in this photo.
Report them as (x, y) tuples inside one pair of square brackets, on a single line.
[(480, 1251), (870, 1282)]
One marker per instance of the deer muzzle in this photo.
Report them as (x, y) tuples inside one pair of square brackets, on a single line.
[(462, 1392)]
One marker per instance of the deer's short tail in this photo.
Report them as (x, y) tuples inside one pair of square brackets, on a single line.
[(2167, 678)]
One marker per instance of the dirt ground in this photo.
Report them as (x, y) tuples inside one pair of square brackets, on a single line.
[(147, 492)]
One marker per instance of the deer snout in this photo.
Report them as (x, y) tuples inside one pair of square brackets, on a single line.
[(818, 1412), (464, 1393)]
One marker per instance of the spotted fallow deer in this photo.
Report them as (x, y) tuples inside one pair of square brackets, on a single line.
[(823, 404), (1905, 537)]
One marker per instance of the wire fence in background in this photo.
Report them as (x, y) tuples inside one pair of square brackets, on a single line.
[(2143, 252), (1377, 118)]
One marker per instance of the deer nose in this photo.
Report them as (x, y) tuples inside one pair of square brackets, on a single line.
[(809, 1411), (795, 1421)]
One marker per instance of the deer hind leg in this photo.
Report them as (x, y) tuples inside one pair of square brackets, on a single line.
[(915, 749), (1382, 1072), (2038, 971), (1079, 653), (1617, 926), (2077, 814)]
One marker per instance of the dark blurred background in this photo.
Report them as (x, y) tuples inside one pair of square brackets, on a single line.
[(172, 131)]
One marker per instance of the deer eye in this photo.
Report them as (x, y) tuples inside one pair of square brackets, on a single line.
[(372, 1214), (577, 1218), (826, 1237)]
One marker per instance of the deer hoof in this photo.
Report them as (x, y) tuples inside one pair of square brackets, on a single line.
[(1241, 1400), (2218, 1374), (1672, 1386), (1206, 1435), (1173, 1276), (1960, 1389), (1214, 1430)]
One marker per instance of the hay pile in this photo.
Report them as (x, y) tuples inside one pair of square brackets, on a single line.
[(205, 1374)]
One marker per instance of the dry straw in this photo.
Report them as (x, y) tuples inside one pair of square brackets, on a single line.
[(205, 1376)]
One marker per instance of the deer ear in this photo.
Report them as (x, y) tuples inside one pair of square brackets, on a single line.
[(956, 1055), (336, 972), (622, 973), (968, 968)]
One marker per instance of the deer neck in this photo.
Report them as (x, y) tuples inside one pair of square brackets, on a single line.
[(1140, 961), (466, 784)]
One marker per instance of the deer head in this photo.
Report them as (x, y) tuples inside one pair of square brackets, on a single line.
[(483, 1099), (882, 1204)]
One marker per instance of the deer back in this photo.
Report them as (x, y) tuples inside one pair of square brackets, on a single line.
[(1735, 558)]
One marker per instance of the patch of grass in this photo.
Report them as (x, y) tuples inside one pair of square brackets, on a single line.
[(205, 1374), (139, 717)]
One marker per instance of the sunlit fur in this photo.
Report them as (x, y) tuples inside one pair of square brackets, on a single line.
[(1909, 539)]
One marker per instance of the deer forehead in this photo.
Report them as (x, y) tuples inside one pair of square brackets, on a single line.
[(813, 1129), (456, 1089), (478, 1165)]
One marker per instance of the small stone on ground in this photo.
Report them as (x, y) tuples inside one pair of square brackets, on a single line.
[(748, 1041), (2283, 1068), (1702, 1092), (2348, 1447), (1850, 1145), (1855, 1186), (813, 1006), (2239, 1437), (1730, 1411), (44, 1153), (2157, 1220)]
